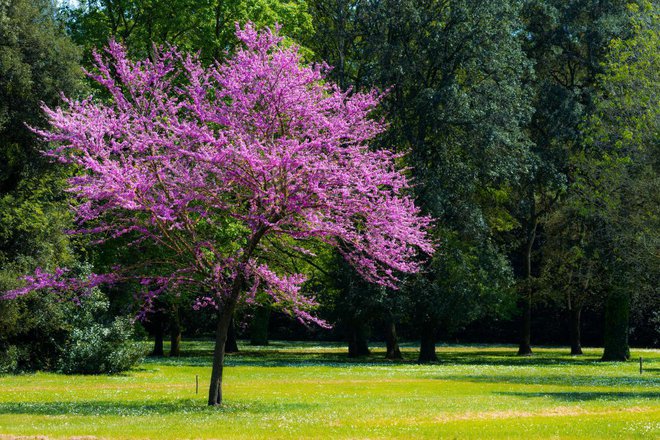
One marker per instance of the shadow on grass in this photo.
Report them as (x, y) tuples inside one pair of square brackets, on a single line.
[(284, 354), (277, 358), (145, 408), (506, 358), (566, 380), (582, 396)]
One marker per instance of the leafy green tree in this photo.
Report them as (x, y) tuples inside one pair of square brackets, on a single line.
[(463, 283), (572, 269), (192, 25), (567, 42), (458, 103), (37, 61), (618, 173)]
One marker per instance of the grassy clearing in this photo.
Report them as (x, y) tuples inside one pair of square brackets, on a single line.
[(305, 390)]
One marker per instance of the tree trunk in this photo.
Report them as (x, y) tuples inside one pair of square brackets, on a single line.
[(158, 338), (427, 345), (525, 347), (259, 327), (357, 342), (393, 351), (175, 333), (225, 325), (222, 329), (574, 329), (617, 310), (231, 345)]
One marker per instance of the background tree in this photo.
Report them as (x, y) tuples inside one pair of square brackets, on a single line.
[(458, 102), (461, 285), (618, 172), (572, 271), (567, 42), (37, 61), (192, 25)]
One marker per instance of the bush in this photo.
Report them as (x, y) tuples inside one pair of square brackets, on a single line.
[(34, 331), (97, 348), (9, 360)]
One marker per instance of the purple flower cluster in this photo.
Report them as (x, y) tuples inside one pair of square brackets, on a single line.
[(222, 167)]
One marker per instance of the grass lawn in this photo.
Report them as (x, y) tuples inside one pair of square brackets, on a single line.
[(313, 391)]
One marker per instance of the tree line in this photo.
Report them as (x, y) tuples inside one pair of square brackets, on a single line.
[(530, 131)]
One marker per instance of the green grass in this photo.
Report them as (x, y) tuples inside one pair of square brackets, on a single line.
[(313, 391)]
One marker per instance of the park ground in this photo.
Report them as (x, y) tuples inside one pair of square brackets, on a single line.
[(304, 390)]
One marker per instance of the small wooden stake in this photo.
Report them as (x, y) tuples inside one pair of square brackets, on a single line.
[(196, 383), (640, 365)]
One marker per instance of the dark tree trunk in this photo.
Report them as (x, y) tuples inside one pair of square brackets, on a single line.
[(574, 329), (617, 310), (525, 347), (231, 345), (357, 342), (222, 329), (158, 337), (225, 325), (427, 345), (259, 327), (175, 333), (393, 351)]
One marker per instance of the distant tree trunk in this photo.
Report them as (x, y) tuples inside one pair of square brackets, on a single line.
[(617, 310), (219, 22), (231, 345), (259, 327), (574, 330), (175, 333), (525, 347), (427, 344), (393, 351), (158, 336), (357, 341), (222, 330)]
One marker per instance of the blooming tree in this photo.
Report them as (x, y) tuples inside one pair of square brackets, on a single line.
[(223, 168)]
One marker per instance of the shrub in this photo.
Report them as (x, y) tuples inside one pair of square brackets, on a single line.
[(9, 360), (96, 347)]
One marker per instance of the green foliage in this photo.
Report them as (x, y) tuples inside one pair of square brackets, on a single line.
[(192, 25), (617, 178), (97, 347), (33, 332), (9, 359), (37, 62), (459, 104), (463, 283), (39, 332)]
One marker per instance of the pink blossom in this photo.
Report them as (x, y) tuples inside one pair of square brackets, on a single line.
[(213, 165)]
